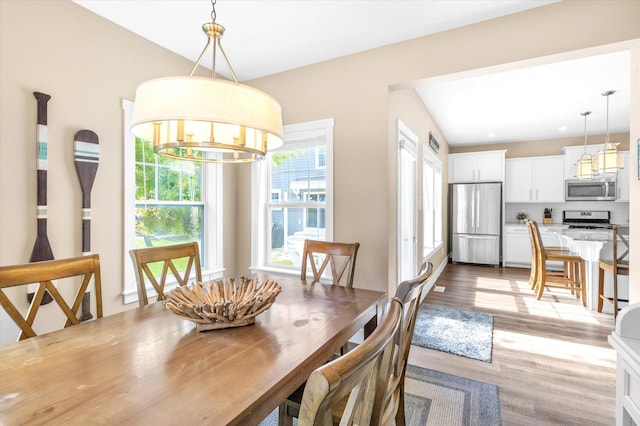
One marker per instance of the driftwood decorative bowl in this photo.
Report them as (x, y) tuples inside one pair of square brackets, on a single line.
[(222, 303)]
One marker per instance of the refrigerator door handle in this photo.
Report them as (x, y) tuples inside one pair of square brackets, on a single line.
[(476, 203)]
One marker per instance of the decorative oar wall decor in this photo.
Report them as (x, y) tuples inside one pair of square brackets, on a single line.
[(86, 155), (41, 249)]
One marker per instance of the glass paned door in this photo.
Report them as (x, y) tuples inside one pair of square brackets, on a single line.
[(407, 203)]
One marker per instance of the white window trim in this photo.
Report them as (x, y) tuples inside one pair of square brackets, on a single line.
[(259, 182), (213, 199)]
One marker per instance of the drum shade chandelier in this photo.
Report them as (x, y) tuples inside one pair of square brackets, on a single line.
[(207, 119), (584, 167), (608, 159)]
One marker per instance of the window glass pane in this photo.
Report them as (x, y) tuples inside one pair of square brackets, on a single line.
[(437, 232), (321, 157), (161, 225), (166, 190), (432, 202), (292, 196), (295, 176), (289, 228)]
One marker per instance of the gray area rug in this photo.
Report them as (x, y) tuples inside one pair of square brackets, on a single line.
[(435, 399), (465, 333)]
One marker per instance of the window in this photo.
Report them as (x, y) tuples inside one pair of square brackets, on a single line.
[(431, 201), (169, 205), (292, 193), (168, 201)]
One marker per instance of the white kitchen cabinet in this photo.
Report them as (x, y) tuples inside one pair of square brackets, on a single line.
[(517, 245), (486, 166), (623, 178), (625, 339), (534, 179)]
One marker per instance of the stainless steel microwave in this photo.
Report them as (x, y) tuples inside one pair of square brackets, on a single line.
[(597, 189)]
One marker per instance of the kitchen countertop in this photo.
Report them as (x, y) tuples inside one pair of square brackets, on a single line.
[(540, 224)]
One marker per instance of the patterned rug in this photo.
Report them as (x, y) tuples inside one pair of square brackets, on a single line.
[(435, 399), (469, 334)]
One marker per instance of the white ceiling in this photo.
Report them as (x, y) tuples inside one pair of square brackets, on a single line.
[(267, 37)]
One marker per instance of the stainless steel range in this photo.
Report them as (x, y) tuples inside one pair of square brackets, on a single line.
[(587, 219)]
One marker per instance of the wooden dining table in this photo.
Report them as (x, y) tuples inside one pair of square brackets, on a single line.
[(146, 366)]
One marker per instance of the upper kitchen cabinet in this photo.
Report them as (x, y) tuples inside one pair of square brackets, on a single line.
[(485, 166), (534, 180)]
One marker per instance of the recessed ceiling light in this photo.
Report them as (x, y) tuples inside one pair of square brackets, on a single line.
[(563, 128), (491, 135)]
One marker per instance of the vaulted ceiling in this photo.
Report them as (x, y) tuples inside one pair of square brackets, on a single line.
[(267, 37)]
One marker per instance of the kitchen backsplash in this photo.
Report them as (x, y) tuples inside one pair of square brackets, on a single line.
[(619, 211)]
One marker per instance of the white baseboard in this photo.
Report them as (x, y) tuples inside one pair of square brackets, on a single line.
[(428, 287)]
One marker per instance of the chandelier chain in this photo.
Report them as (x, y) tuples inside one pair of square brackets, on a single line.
[(213, 10)]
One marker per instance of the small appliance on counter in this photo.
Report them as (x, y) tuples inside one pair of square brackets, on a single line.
[(547, 216), (587, 219)]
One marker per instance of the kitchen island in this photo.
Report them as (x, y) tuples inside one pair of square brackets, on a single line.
[(589, 243)]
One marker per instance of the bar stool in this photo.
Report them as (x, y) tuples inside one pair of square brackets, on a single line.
[(533, 277), (574, 276), (617, 265)]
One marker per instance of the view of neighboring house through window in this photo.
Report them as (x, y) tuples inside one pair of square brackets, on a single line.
[(292, 192)]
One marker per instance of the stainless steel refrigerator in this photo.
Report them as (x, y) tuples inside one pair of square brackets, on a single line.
[(476, 222)]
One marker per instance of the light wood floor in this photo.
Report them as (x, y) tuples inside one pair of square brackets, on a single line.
[(550, 359)]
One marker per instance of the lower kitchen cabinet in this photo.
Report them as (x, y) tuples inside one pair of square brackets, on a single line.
[(517, 246)]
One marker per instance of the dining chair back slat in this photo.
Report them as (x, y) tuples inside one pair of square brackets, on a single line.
[(44, 273), (359, 377), (409, 294), (168, 255), (341, 257)]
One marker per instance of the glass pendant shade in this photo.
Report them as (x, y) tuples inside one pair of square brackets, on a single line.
[(608, 159), (202, 119), (584, 167)]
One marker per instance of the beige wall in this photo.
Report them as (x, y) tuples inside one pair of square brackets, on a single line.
[(88, 65), (405, 105), (544, 147), (353, 90)]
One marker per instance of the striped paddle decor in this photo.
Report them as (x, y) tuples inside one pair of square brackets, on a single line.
[(41, 248), (86, 153)]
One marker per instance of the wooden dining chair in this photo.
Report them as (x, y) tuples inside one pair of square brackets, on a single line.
[(533, 276), (44, 273), (167, 257), (574, 279), (358, 377), (341, 257), (408, 294), (616, 262)]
